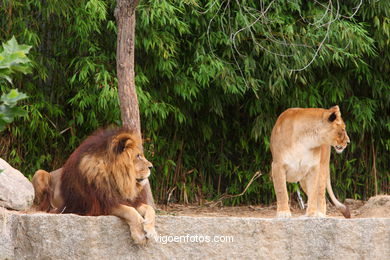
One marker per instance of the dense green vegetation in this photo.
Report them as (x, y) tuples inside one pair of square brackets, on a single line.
[(212, 77)]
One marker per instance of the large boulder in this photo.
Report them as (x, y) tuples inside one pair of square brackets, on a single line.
[(68, 236), (16, 191)]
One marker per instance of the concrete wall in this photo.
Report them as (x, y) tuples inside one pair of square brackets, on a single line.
[(43, 236)]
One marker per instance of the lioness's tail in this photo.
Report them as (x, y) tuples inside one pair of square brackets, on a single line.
[(341, 207), (41, 183)]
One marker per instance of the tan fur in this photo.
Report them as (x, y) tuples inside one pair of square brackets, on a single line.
[(300, 144), (47, 190), (116, 174)]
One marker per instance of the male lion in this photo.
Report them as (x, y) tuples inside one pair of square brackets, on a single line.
[(105, 175), (300, 145)]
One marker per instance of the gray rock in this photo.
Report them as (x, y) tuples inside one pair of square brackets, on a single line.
[(16, 191), (68, 236), (376, 206)]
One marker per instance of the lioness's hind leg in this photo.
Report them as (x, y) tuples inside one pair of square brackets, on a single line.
[(279, 180), (303, 185), (41, 184)]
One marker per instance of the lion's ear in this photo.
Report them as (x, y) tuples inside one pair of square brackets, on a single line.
[(121, 145), (123, 141)]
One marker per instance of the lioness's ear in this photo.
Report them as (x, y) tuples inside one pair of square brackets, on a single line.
[(335, 109), (334, 112), (332, 117)]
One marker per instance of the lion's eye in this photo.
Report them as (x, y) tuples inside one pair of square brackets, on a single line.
[(138, 156)]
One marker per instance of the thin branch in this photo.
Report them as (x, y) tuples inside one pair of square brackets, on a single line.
[(331, 13), (356, 10), (229, 196)]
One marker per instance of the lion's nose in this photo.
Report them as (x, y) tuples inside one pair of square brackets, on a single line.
[(150, 167)]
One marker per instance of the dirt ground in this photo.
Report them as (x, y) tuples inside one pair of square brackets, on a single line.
[(375, 207)]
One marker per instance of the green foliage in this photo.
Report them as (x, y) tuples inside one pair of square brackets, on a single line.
[(8, 109), (12, 59), (212, 77)]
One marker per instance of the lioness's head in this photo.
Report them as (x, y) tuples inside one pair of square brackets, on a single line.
[(337, 137)]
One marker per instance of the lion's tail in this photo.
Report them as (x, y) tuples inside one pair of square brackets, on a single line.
[(41, 183), (341, 207)]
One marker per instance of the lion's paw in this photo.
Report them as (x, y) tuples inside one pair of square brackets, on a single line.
[(283, 214), (150, 232), (138, 237), (140, 240)]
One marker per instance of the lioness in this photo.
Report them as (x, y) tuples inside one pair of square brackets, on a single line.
[(300, 145)]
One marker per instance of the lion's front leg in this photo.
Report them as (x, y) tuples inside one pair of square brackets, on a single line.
[(134, 220), (149, 215)]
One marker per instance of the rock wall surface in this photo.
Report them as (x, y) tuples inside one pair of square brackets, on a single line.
[(44, 236)]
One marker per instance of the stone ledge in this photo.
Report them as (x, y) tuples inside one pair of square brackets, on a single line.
[(43, 236)]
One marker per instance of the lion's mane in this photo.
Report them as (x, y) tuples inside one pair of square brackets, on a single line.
[(100, 174)]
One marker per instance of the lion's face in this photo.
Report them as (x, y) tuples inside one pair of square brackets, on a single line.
[(141, 165), (128, 153), (338, 135)]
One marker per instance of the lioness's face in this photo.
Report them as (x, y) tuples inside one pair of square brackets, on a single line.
[(339, 137)]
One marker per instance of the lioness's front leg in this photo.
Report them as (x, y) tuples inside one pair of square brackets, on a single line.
[(312, 184), (149, 215), (279, 180), (134, 220), (323, 179)]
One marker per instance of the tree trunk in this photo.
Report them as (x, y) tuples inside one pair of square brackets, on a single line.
[(125, 19)]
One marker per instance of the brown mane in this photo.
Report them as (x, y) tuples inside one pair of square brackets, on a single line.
[(99, 174)]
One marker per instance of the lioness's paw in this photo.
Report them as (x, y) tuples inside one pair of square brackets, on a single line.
[(315, 214), (283, 214), (320, 215)]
